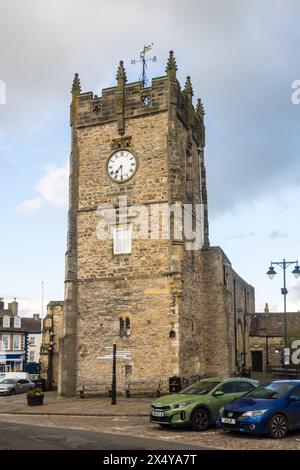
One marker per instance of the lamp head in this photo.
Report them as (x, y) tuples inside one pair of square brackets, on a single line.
[(296, 271), (271, 273)]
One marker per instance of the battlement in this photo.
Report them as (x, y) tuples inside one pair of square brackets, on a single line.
[(130, 100), (138, 101)]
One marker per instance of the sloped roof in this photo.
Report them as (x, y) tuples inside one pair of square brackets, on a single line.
[(31, 324), (272, 324)]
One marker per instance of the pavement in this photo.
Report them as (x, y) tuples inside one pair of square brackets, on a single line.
[(75, 406), (129, 418)]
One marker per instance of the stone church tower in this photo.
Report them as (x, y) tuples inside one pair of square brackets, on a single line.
[(170, 306)]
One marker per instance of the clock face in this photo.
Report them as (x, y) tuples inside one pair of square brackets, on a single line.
[(121, 165)]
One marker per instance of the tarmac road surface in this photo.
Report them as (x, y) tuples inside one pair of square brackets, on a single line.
[(15, 436)]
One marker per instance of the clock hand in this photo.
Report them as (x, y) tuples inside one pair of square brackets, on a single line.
[(121, 171), (117, 171)]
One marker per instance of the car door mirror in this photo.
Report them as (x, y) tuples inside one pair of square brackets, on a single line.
[(218, 393), (294, 398)]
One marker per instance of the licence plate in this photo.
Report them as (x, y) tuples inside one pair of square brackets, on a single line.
[(158, 413), (228, 420)]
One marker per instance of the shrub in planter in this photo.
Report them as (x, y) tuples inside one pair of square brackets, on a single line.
[(35, 397)]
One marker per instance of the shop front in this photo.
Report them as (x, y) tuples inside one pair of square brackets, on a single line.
[(12, 362)]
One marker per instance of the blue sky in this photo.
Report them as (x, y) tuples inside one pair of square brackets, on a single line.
[(242, 56)]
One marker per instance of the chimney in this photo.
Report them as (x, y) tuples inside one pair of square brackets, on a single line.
[(267, 308), (36, 316), (13, 307), (1, 303)]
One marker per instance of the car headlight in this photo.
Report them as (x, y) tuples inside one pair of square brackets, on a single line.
[(254, 413), (182, 404), (221, 410)]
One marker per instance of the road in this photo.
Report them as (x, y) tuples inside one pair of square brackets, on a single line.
[(127, 432), (15, 436)]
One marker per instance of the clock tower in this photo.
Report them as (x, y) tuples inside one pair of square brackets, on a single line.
[(148, 293)]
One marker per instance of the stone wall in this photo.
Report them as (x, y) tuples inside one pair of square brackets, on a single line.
[(222, 307), (52, 334), (267, 336), (271, 348), (135, 286)]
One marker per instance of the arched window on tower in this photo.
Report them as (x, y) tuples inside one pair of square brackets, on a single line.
[(122, 327), (128, 326), (189, 176)]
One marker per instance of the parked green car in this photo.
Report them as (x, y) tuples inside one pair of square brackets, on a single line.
[(198, 405)]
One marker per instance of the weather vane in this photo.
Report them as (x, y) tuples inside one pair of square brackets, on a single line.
[(143, 60)]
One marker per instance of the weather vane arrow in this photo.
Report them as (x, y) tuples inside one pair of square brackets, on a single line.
[(144, 60)]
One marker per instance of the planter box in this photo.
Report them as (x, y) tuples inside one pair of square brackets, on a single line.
[(35, 401)]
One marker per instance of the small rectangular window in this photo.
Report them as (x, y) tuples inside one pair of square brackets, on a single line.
[(17, 343), (122, 240), (31, 356), (17, 322), (32, 340), (6, 322), (5, 342)]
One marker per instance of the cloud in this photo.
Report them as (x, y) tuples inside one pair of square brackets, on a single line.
[(294, 297), (277, 234), (245, 85), (242, 57), (52, 190), (31, 206), (28, 306), (241, 236)]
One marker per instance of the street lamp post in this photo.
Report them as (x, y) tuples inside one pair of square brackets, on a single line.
[(244, 328), (271, 273)]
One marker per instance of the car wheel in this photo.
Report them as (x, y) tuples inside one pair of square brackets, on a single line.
[(200, 419), (278, 427), (12, 392)]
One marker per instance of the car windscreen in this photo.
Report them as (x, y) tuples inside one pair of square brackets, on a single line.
[(199, 388), (7, 381), (271, 391)]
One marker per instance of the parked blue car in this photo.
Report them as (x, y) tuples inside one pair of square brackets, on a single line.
[(272, 409)]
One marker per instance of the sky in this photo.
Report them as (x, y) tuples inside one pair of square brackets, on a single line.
[(242, 55)]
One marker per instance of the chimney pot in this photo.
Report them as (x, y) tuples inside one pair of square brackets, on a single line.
[(267, 308)]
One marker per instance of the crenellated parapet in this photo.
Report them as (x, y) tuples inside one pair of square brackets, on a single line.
[(130, 100)]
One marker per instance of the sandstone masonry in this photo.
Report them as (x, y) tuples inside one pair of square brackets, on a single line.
[(181, 309)]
